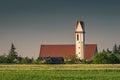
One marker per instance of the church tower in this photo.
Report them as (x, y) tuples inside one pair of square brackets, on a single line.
[(80, 40)]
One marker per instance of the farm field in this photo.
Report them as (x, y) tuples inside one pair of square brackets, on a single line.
[(60, 72)]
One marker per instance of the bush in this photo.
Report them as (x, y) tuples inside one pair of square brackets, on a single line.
[(104, 58), (113, 59), (101, 58), (3, 59), (72, 60)]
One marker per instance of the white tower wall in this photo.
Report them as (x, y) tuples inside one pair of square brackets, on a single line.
[(80, 40)]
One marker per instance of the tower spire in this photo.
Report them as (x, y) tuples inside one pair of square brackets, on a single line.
[(80, 39)]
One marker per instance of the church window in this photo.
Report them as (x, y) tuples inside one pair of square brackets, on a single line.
[(77, 37)]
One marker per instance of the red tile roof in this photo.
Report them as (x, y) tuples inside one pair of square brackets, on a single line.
[(90, 50), (65, 50)]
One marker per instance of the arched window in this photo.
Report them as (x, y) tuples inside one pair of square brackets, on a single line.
[(77, 37)]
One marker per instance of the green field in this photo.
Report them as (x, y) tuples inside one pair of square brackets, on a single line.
[(60, 72)]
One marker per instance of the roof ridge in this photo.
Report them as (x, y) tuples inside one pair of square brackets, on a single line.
[(57, 44), (66, 44)]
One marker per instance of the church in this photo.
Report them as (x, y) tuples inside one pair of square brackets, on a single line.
[(80, 49)]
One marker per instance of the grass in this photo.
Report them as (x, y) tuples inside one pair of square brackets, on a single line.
[(61, 67), (60, 72)]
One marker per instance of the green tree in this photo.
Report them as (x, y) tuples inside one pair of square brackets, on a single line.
[(119, 49), (74, 59), (3, 59), (104, 51), (23, 61), (105, 58), (113, 59), (12, 56), (35, 61), (108, 51), (101, 58), (28, 60), (115, 49)]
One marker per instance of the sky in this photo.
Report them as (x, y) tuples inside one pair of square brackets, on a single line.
[(30, 23)]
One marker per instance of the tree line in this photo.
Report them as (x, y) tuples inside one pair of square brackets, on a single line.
[(13, 58), (105, 57), (108, 56)]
